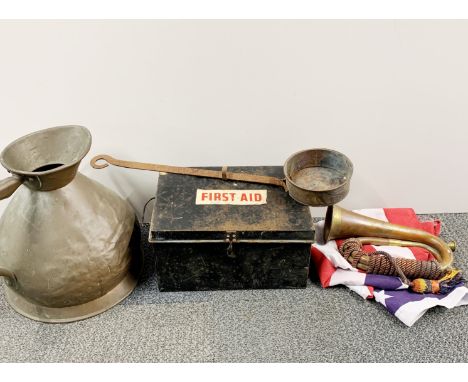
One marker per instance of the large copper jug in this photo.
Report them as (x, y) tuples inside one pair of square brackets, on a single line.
[(69, 247)]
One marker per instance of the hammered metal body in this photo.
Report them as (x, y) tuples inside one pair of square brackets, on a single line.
[(66, 254)]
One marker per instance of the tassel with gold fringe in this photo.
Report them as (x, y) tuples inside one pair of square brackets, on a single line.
[(445, 285)]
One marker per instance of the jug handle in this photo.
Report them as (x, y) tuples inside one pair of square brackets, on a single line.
[(8, 186)]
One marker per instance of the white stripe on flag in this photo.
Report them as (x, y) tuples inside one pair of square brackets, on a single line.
[(410, 312), (319, 227), (362, 291), (330, 251), (394, 251), (376, 213), (345, 277)]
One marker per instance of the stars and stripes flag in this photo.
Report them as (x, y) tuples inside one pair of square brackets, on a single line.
[(389, 291)]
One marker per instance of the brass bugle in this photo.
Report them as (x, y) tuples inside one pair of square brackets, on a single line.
[(341, 224)]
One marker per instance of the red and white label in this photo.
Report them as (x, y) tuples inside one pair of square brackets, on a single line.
[(235, 197)]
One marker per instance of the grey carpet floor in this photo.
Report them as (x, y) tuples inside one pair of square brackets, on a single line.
[(302, 325)]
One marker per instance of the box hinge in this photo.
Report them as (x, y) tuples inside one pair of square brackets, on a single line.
[(231, 237)]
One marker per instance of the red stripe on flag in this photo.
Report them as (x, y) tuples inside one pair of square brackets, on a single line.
[(324, 267), (407, 217), (431, 227), (402, 216), (421, 254)]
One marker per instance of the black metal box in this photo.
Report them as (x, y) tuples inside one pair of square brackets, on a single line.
[(210, 234)]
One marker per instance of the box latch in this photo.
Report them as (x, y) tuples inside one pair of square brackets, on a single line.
[(231, 237)]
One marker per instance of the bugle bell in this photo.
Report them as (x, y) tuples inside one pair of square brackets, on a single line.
[(341, 224)]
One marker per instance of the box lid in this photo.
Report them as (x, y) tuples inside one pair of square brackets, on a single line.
[(252, 212)]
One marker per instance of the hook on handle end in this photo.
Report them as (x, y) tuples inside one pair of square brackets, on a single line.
[(97, 158)]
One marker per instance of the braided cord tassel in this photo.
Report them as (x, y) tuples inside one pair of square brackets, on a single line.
[(442, 286), (426, 276)]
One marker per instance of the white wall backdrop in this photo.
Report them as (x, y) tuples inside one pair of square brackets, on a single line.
[(392, 95)]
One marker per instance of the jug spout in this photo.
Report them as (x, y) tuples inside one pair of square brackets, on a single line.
[(45, 160), (10, 276)]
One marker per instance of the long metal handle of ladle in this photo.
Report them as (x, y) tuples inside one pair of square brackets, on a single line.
[(102, 161)]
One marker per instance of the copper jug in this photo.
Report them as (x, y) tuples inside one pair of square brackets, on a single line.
[(69, 247)]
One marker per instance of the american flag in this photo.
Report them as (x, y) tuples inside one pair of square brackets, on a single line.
[(389, 291)]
